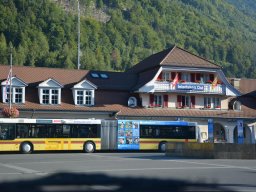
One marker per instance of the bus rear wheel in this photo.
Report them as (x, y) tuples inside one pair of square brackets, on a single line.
[(89, 147), (162, 146), (26, 147)]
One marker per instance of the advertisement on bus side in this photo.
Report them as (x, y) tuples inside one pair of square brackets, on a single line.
[(128, 135)]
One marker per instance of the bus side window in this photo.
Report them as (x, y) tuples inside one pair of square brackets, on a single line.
[(66, 131), (74, 131), (92, 132), (157, 132), (42, 131), (33, 131), (85, 131), (82, 131), (7, 132), (146, 131), (22, 131)]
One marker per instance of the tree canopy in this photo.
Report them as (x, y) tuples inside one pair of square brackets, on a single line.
[(117, 34)]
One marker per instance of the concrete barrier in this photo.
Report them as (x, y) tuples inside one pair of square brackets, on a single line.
[(211, 150)]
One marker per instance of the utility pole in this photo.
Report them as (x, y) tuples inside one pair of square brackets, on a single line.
[(78, 35)]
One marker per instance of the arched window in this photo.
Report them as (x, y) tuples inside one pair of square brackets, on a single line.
[(237, 106)]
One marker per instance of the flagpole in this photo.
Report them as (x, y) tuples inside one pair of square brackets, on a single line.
[(78, 34), (10, 87)]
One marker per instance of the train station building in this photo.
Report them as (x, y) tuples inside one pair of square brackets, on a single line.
[(173, 84)]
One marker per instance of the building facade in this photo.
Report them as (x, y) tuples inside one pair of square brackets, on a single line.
[(173, 84)]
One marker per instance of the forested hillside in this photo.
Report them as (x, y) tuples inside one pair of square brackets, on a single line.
[(117, 34), (248, 7)]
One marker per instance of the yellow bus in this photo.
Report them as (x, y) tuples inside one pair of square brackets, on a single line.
[(28, 135), (88, 135)]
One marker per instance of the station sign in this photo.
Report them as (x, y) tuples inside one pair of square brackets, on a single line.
[(193, 87)]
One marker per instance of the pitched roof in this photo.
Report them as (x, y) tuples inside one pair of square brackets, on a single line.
[(145, 77), (69, 77), (150, 62), (176, 57), (32, 75), (247, 85), (125, 111), (246, 112), (116, 80), (182, 58)]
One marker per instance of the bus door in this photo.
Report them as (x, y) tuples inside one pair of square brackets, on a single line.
[(109, 134)]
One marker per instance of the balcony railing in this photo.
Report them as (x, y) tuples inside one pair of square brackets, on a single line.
[(189, 87)]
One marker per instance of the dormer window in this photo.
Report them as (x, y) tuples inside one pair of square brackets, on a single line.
[(50, 92), (50, 96), (83, 93), (84, 97), (14, 93), (17, 95)]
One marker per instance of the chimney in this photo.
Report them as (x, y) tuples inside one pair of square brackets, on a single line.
[(235, 82)]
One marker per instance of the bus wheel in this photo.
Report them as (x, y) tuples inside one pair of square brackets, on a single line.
[(89, 147), (26, 147), (162, 146)]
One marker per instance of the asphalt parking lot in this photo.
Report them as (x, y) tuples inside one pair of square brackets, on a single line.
[(108, 171)]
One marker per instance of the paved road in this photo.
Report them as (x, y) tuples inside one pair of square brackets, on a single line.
[(123, 172)]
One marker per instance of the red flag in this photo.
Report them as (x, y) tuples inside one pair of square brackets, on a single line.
[(214, 83), (175, 80), (8, 82), (9, 77)]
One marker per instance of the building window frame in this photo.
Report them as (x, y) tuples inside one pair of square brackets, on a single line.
[(158, 100), (237, 106), (166, 76), (84, 97), (212, 103), (185, 77), (17, 94), (185, 101), (50, 96)]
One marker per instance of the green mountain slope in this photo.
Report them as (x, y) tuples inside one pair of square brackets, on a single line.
[(248, 7), (117, 34)]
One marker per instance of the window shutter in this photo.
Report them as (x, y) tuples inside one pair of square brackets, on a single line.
[(160, 76), (211, 77), (151, 100), (179, 101), (193, 101), (179, 76), (165, 100), (173, 74), (192, 75)]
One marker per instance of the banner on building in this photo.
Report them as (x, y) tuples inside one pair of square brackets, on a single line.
[(240, 131), (210, 131)]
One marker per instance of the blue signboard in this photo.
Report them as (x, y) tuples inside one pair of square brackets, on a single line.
[(180, 123), (240, 131), (128, 134), (210, 130), (194, 87)]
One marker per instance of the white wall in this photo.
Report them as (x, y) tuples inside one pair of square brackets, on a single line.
[(145, 99)]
